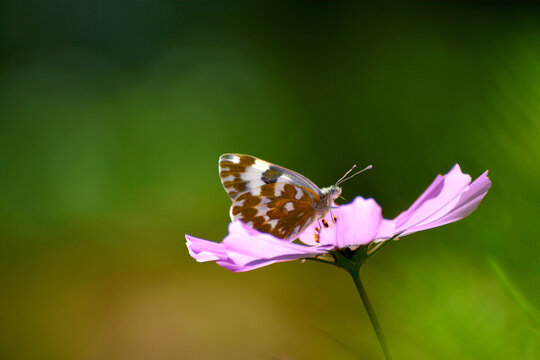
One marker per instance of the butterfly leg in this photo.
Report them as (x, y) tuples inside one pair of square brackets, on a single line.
[(334, 217)]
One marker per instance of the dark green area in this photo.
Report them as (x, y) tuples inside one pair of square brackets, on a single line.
[(113, 116)]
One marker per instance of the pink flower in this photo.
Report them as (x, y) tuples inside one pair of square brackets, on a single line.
[(449, 198)]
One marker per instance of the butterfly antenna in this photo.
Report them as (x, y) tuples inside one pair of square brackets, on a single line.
[(345, 178)]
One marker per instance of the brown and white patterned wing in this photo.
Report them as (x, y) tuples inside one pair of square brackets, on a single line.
[(283, 210), (240, 173)]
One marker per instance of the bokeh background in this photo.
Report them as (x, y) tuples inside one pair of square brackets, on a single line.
[(113, 116)]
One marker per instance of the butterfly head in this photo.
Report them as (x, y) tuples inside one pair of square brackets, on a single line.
[(331, 192)]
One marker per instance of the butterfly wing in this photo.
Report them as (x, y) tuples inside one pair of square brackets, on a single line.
[(268, 197), (281, 209), (240, 173)]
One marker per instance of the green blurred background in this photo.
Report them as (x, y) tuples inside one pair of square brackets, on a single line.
[(112, 120)]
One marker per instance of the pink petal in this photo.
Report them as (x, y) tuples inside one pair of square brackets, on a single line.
[(449, 198), (468, 201), (204, 250), (248, 247), (387, 230), (241, 268), (357, 223)]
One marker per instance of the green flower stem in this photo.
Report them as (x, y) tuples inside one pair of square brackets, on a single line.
[(367, 304), (351, 261)]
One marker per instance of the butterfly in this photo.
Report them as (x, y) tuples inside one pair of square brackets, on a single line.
[(273, 199)]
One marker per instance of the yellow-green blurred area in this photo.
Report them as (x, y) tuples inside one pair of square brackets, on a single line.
[(113, 116)]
